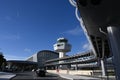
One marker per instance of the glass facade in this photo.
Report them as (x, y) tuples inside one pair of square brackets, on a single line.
[(45, 55)]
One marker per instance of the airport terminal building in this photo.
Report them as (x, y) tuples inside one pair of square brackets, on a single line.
[(33, 62), (20, 65), (42, 56)]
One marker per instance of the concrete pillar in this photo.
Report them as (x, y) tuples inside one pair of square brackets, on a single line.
[(114, 37), (76, 67), (56, 67), (103, 67), (102, 60), (61, 54)]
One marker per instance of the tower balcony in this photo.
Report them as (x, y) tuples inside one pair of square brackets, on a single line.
[(62, 47)]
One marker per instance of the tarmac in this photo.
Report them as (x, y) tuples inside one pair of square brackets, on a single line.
[(8, 76)]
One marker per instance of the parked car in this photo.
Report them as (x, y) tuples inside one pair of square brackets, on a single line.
[(41, 72)]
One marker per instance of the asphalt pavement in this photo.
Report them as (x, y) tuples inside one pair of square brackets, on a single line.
[(32, 76), (49, 76)]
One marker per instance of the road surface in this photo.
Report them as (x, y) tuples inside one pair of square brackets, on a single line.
[(32, 76)]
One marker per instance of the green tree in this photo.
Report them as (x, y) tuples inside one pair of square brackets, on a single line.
[(2, 62)]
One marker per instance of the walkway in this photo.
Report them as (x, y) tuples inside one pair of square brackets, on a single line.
[(75, 77)]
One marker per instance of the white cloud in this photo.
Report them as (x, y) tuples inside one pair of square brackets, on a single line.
[(9, 36), (86, 46), (75, 31), (13, 57), (27, 50)]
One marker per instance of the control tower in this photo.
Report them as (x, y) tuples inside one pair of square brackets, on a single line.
[(62, 47)]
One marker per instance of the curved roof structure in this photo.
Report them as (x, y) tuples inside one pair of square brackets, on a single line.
[(21, 61), (47, 51), (97, 15)]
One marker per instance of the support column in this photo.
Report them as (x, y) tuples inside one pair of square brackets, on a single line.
[(114, 37), (61, 55), (103, 67), (76, 67)]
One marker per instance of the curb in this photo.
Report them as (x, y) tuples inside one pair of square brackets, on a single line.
[(12, 77), (6, 76)]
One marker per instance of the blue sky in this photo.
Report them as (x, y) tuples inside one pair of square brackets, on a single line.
[(28, 26)]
